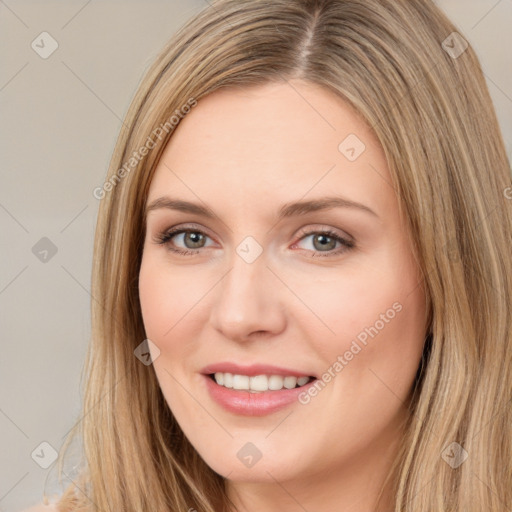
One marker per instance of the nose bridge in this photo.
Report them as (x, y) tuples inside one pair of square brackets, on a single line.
[(241, 282), (246, 300)]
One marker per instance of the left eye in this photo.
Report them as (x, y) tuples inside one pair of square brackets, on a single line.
[(326, 242)]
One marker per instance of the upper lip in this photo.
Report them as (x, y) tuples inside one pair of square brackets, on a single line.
[(253, 370)]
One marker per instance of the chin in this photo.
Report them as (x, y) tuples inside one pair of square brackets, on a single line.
[(243, 462)]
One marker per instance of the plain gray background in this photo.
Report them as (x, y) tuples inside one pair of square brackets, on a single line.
[(59, 121)]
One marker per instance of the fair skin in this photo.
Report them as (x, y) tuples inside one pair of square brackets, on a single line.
[(244, 154)]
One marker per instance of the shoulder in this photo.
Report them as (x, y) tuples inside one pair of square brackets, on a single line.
[(42, 508)]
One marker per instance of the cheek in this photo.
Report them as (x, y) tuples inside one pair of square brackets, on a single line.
[(371, 317), (154, 300), (166, 297)]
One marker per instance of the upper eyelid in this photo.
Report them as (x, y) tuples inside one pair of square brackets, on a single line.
[(335, 231), (187, 227)]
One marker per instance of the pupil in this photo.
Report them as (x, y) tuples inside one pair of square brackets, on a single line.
[(326, 242), (194, 238)]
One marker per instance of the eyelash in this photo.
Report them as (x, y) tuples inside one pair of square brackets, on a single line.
[(165, 237)]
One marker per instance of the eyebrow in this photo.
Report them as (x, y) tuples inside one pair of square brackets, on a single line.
[(287, 210)]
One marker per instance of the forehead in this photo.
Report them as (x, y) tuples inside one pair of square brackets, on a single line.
[(283, 140), (270, 119)]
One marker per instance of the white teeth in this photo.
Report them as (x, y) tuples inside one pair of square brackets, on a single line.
[(275, 382), (228, 380), (290, 382), (258, 383), (302, 380), (240, 382)]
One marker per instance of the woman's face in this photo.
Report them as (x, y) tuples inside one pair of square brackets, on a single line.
[(289, 259)]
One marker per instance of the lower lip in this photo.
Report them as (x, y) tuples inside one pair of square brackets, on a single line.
[(253, 404)]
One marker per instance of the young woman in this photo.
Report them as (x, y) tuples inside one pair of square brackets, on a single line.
[(302, 272)]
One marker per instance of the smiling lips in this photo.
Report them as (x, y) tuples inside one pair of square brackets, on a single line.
[(254, 390), (258, 383)]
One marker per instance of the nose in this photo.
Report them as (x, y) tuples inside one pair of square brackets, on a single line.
[(248, 302)]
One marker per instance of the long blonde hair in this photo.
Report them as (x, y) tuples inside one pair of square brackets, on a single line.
[(423, 93)]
